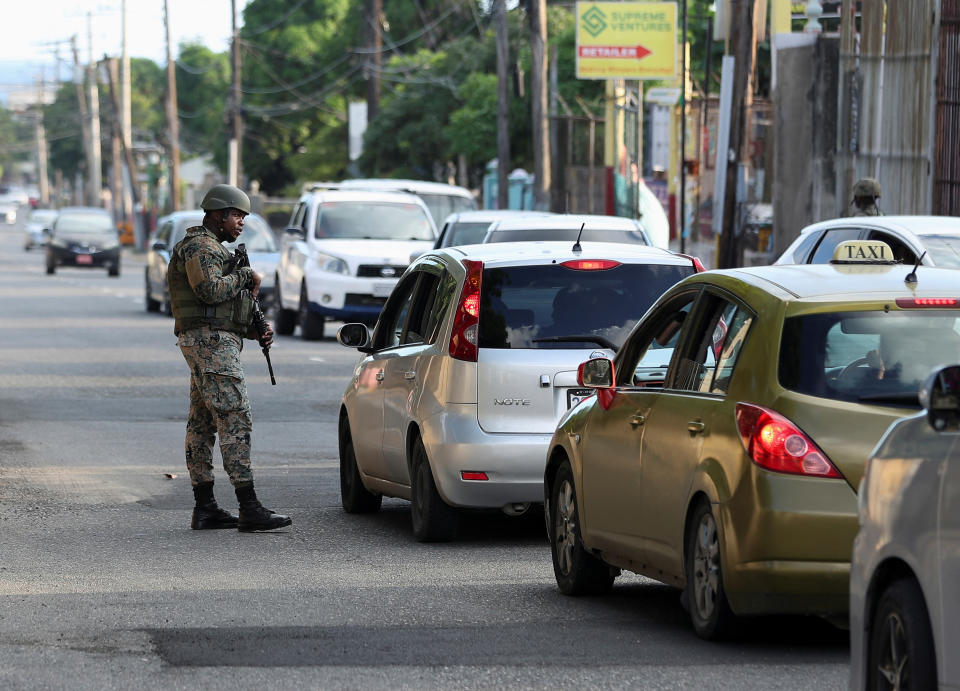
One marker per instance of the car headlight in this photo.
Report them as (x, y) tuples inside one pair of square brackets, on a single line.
[(332, 264)]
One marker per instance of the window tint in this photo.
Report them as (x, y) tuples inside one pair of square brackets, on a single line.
[(630, 237), (552, 306), (442, 205), (802, 251), (871, 357), (648, 354), (163, 234), (256, 235), (943, 249), (901, 252), (831, 239), (373, 221), (298, 216), (414, 310), (710, 363), (85, 223), (466, 233)]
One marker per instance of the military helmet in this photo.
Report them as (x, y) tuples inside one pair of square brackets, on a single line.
[(225, 197), (866, 187)]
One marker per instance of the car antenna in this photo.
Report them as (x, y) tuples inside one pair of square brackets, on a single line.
[(912, 276), (576, 245)]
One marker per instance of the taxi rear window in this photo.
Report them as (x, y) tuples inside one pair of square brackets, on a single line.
[(550, 306), (880, 358)]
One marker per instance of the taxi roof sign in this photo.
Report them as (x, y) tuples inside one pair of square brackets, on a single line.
[(863, 252)]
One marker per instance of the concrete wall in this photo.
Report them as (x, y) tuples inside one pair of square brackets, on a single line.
[(805, 132)]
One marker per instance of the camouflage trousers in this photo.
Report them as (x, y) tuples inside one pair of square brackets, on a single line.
[(218, 405)]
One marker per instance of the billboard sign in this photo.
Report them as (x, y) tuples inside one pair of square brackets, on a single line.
[(626, 40)]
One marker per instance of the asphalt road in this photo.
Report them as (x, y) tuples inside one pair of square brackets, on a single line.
[(104, 586)]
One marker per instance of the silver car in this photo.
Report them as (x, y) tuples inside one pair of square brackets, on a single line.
[(905, 575), (471, 364)]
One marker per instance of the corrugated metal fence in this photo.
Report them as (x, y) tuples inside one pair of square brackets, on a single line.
[(946, 177)]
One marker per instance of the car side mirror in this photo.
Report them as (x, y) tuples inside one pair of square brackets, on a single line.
[(295, 232), (940, 396), (596, 373), (158, 246), (355, 336)]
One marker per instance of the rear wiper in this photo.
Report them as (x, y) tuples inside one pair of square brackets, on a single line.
[(905, 397), (586, 338)]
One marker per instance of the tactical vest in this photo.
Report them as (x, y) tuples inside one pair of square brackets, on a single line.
[(235, 314)]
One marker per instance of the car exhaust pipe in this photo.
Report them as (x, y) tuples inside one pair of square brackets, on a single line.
[(516, 509)]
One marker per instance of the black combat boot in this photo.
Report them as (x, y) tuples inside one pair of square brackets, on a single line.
[(253, 515), (206, 514)]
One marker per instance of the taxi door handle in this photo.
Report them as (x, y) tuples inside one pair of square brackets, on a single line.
[(637, 419), (380, 375), (696, 426), (410, 374)]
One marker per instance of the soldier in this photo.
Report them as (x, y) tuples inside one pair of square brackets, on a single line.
[(866, 192), (213, 311)]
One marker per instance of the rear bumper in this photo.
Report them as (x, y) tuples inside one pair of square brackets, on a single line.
[(66, 257), (514, 463)]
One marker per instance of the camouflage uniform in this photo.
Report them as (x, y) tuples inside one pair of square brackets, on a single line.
[(210, 324)]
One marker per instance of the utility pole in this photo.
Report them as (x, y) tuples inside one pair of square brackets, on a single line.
[(503, 103), (683, 128), (235, 173), (374, 59), (744, 44), (173, 118), (96, 174), (537, 14), (127, 152), (126, 128), (78, 78), (42, 145)]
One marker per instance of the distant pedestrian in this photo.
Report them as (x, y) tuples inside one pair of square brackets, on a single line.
[(213, 310), (866, 192)]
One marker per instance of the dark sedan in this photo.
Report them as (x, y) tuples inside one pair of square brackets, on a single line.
[(85, 237)]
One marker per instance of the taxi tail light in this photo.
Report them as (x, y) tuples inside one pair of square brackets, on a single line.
[(466, 322), (591, 264), (775, 443)]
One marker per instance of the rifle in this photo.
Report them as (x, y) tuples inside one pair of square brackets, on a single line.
[(260, 321)]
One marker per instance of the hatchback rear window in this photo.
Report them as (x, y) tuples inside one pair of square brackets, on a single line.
[(553, 306), (881, 358)]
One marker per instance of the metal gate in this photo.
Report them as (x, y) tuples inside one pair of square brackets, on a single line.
[(946, 174)]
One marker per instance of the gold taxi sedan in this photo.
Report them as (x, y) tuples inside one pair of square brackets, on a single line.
[(731, 472)]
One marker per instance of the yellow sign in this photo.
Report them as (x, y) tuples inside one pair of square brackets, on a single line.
[(626, 40)]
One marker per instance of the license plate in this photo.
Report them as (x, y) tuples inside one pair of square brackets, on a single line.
[(382, 290), (574, 396), (84, 259)]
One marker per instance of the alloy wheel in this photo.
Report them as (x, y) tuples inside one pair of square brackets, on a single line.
[(565, 522), (894, 664), (706, 567)]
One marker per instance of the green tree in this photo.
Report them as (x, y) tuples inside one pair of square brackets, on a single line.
[(203, 82)]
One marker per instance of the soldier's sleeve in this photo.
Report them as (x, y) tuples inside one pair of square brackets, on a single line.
[(205, 273)]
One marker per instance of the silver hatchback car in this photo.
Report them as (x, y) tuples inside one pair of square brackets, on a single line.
[(471, 364), (905, 575)]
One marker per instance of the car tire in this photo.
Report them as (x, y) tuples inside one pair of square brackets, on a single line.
[(285, 321), (114, 270), (707, 601), (311, 325), (901, 649), (577, 571), (152, 305), (432, 518), (354, 497)]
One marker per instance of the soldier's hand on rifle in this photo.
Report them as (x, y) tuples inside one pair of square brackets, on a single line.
[(255, 289), (267, 339)]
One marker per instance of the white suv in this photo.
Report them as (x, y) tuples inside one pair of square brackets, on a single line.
[(343, 253), (473, 361)]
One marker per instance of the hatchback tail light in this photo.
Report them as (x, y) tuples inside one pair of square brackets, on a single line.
[(466, 322), (775, 443)]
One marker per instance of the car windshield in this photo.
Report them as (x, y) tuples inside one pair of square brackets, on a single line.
[(372, 221), (871, 357), (553, 306), (466, 233), (442, 205), (85, 223), (633, 237), (943, 249), (42, 216), (256, 236)]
